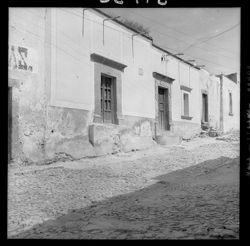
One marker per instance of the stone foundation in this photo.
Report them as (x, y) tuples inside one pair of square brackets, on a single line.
[(67, 133), (104, 138), (168, 138), (55, 132), (186, 130), (71, 134), (109, 138)]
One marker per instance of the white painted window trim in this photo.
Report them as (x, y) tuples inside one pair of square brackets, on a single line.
[(182, 104)]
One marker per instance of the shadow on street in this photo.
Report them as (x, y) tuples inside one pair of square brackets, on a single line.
[(201, 201)]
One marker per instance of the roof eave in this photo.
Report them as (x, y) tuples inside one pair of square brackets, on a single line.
[(122, 24)]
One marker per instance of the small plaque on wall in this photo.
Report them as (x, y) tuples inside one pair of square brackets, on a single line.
[(140, 71), (22, 59)]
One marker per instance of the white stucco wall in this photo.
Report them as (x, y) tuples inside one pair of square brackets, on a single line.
[(28, 102), (173, 72), (72, 76), (195, 95), (138, 84), (72, 82), (72, 73), (231, 122)]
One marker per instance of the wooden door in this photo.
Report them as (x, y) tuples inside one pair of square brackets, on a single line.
[(107, 99), (163, 109)]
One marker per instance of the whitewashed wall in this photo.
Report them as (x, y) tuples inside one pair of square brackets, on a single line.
[(72, 77), (72, 71), (195, 95), (27, 31), (231, 122), (72, 81), (138, 84)]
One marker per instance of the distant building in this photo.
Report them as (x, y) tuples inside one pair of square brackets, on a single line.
[(230, 103), (233, 77), (81, 84)]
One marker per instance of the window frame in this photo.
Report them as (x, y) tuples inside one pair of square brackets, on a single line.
[(185, 90)]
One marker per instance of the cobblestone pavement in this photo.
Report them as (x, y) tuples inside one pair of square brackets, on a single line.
[(181, 192)]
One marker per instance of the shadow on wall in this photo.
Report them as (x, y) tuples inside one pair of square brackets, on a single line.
[(182, 204)]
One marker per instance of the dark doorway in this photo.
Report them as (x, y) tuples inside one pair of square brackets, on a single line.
[(108, 99), (204, 107), (163, 108), (9, 123)]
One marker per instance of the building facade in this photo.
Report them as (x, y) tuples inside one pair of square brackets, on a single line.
[(82, 84), (230, 103)]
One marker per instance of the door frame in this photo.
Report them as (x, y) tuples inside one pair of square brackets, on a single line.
[(166, 109), (107, 70), (164, 82)]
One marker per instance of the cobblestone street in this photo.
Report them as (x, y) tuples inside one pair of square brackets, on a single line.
[(190, 191)]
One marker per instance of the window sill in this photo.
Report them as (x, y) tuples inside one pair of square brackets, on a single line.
[(231, 114), (186, 117)]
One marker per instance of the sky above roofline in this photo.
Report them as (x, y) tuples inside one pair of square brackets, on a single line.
[(210, 36)]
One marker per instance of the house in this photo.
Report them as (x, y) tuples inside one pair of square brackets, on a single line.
[(210, 100), (230, 102), (84, 84)]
